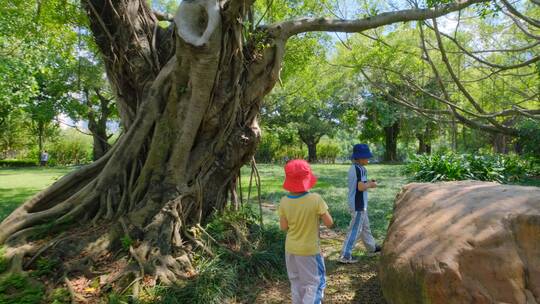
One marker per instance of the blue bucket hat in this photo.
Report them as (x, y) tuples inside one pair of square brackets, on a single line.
[(361, 151)]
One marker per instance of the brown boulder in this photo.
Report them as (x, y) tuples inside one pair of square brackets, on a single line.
[(463, 242)]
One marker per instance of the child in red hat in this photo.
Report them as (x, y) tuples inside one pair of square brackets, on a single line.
[(300, 213)]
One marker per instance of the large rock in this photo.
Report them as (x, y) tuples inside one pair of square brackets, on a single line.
[(463, 242)]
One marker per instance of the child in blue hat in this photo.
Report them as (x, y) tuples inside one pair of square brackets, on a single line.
[(358, 198)]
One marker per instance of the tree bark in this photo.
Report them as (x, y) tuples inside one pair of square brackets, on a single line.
[(390, 142), (97, 125), (191, 123), (424, 142), (312, 152), (500, 144), (311, 142)]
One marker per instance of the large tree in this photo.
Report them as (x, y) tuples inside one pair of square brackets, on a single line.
[(188, 97)]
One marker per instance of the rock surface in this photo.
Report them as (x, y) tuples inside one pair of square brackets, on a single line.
[(463, 242)]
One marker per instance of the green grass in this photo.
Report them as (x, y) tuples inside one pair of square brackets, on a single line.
[(19, 184), (332, 185)]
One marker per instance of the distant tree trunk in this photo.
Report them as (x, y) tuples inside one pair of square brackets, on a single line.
[(40, 130), (518, 147), (97, 124), (390, 141), (312, 152), (311, 142), (421, 144), (424, 142), (500, 144), (454, 134)]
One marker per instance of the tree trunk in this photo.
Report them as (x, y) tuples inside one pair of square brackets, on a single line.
[(191, 119), (500, 144), (390, 142), (97, 124), (312, 152), (311, 142), (424, 143), (454, 134), (421, 144), (40, 131)]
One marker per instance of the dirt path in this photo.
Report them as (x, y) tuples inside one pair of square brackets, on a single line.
[(352, 283)]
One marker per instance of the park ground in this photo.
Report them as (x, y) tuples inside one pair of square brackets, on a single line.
[(357, 283)]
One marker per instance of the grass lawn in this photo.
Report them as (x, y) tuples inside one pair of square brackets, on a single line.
[(19, 184), (332, 185)]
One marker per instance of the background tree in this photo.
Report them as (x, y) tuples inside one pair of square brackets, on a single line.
[(95, 103)]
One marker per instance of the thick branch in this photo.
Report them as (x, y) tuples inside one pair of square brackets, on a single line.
[(516, 13), (490, 64), (461, 87), (421, 111), (289, 28), (521, 26), (413, 86), (461, 118)]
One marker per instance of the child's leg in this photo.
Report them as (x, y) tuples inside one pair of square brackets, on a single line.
[(366, 236), (312, 277), (294, 277), (355, 227)]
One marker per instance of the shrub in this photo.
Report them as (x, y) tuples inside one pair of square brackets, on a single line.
[(18, 289), (286, 153), (69, 151), (450, 167), (46, 266), (266, 150), (17, 163), (327, 153)]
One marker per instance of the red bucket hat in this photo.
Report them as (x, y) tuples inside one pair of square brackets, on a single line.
[(298, 176)]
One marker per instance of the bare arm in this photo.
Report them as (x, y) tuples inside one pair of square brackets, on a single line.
[(364, 186), (327, 220), (283, 224)]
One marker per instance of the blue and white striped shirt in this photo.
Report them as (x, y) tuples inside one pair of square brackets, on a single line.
[(357, 199)]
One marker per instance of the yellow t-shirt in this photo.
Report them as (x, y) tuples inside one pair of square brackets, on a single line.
[(303, 216)]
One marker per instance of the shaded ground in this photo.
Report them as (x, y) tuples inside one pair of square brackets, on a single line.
[(351, 283)]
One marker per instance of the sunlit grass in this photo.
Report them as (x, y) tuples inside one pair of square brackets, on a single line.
[(332, 185), (19, 184)]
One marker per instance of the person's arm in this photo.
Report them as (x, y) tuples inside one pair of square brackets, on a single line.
[(327, 220), (364, 186), (283, 223)]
